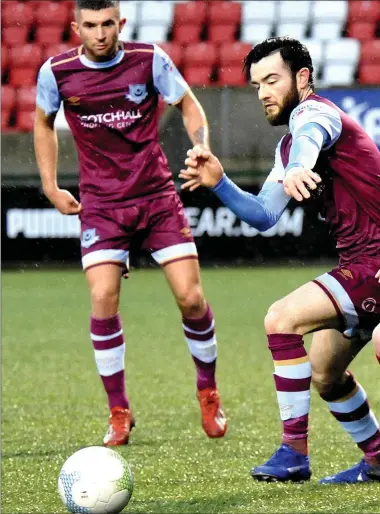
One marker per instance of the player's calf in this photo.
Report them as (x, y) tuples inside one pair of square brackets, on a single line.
[(201, 339), (348, 403)]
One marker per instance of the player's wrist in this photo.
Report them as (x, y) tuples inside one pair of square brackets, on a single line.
[(219, 183), (294, 167), (50, 190)]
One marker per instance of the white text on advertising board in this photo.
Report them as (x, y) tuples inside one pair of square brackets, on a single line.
[(50, 224)]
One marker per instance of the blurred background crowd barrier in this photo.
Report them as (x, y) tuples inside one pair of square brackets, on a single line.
[(207, 40)]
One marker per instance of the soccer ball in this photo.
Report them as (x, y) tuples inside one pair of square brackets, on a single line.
[(95, 479)]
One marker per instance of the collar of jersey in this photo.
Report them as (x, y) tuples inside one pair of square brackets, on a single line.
[(107, 64)]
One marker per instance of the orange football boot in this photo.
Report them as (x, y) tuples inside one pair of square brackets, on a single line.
[(214, 421), (121, 423)]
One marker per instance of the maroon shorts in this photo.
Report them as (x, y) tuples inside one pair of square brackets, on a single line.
[(159, 224), (355, 293)]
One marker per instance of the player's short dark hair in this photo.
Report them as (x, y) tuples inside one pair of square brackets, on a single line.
[(96, 5), (294, 54)]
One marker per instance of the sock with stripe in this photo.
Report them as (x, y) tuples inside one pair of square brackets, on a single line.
[(108, 341), (292, 376), (201, 339), (349, 405)]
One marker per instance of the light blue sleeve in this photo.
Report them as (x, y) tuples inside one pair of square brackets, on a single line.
[(48, 97), (261, 211), (166, 78), (307, 144), (320, 113)]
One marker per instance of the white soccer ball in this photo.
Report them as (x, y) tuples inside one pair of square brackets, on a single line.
[(95, 479)]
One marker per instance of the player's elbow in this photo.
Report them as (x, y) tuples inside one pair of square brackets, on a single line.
[(266, 224), (262, 222), (43, 122)]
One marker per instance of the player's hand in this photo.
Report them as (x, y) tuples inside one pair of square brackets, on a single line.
[(299, 181), (203, 169), (378, 275), (64, 201)]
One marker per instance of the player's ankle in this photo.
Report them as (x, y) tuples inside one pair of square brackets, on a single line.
[(372, 460), (298, 445)]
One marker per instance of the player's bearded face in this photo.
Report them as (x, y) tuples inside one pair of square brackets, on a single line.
[(276, 87), (99, 32)]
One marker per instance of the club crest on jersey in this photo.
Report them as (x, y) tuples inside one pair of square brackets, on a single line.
[(89, 237), (137, 93)]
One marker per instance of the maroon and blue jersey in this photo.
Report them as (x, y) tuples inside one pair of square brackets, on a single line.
[(349, 163), (112, 110), (350, 167)]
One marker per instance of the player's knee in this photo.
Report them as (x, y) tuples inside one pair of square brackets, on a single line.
[(191, 302), (102, 295), (280, 319), (324, 382)]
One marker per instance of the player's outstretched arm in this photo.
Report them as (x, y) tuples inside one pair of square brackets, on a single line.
[(46, 150), (261, 211)]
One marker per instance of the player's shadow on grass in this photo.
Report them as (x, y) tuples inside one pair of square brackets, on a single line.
[(219, 504), (22, 454)]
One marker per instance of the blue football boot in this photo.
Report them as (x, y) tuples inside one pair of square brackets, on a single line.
[(361, 472), (285, 465)]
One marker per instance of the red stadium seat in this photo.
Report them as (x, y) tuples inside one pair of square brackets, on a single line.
[(29, 56), (198, 76), (9, 4), (53, 50), (223, 13), (234, 54), (15, 35), (363, 31), (36, 3), (200, 54), (8, 97), (370, 52), (26, 98), (221, 33), (5, 118), (187, 34), (190, 13), (70, 6), (52, 13), (232, 76), (4, 58), (49, 34), (364, 10), (174, 51), (17, 14), (25, 120), (369, 74), (19, 77)]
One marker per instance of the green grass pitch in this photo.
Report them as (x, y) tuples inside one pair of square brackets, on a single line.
[(53, 402)]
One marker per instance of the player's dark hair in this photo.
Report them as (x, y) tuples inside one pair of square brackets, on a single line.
[(294, 54), (96, 5)]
